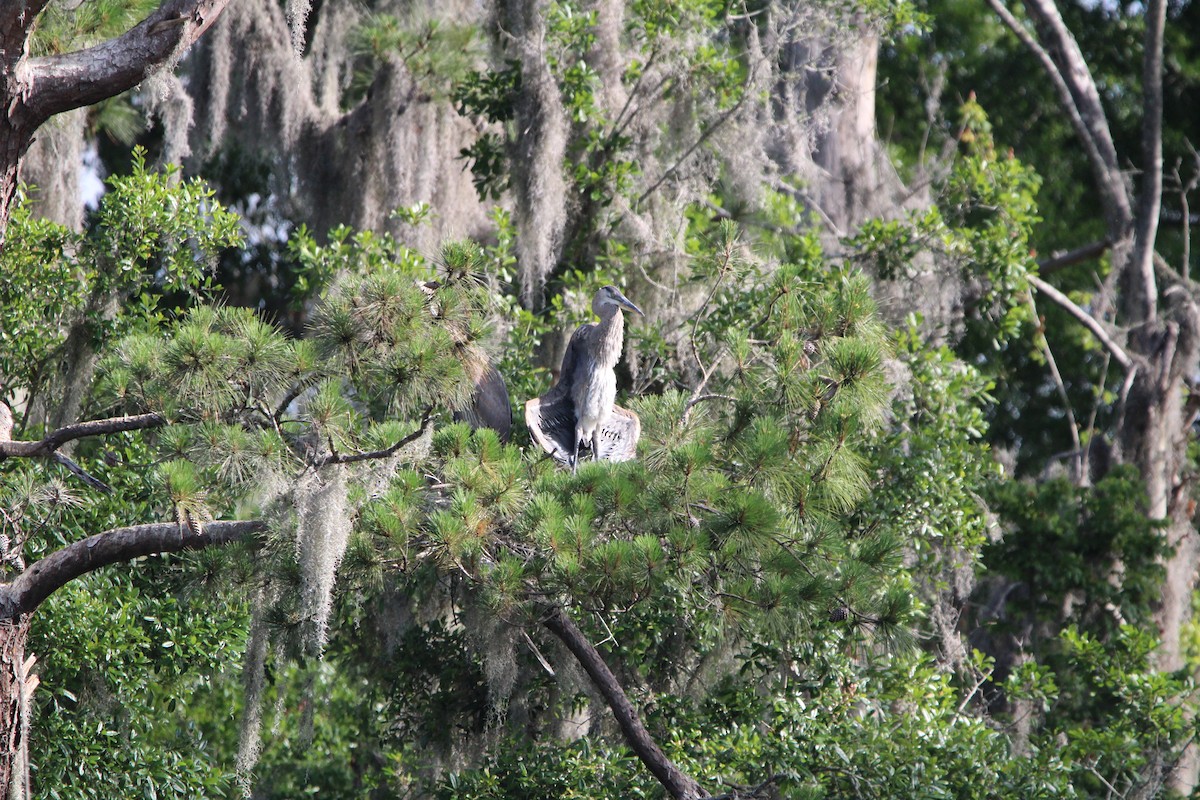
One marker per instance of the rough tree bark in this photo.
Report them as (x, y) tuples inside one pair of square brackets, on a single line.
[(1158, 315), (32, 90), (21, 596)]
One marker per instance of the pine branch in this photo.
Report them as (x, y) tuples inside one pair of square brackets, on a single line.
[(678, 785), (41, 579), (72, 80), (97, 427), (350, 458)]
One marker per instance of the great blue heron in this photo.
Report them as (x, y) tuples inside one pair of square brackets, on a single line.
[(579, 410), (488, 406)]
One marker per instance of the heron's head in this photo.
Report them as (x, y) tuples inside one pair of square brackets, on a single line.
[(611, 296)]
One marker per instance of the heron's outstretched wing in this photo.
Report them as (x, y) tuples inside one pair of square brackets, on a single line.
[(551, 421), (489, 406)]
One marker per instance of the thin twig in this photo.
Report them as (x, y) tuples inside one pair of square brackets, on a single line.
[(1062, 389), (706, 372), (350, 458)]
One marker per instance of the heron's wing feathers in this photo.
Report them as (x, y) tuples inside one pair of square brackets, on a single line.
[(489, 406), (616, 439), (551, 421), (575, 355)]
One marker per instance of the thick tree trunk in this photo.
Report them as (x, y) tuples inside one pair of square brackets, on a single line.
[(14, 141), (16, 686)]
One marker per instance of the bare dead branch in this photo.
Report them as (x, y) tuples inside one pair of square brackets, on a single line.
[(1144, 302), (1080, 254), (1077, 451), (1086, 319), (41, 579), (678, 785), (1060, 57)]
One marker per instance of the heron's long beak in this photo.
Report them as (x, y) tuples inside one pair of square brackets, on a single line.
[(629, 304)]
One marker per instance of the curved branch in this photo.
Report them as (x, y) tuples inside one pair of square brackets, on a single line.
[(73, 80), (679, 785), (41, 579), (1141, 261), (1060, 56), (1088, 321), (80, 430)]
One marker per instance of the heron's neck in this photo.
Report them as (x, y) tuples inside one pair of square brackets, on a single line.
[(612, 337)]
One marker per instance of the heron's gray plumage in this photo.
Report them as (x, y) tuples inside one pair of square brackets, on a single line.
[(489, 406), (579, 409)]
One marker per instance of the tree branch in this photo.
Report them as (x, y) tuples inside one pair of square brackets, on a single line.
[(1144, 303), (678, 785), (1088, 321), (73, 80), (16, 21), (1071, 257), (1079, 474), (29, 589), (1067, 68), (96, 427), (350, 458)]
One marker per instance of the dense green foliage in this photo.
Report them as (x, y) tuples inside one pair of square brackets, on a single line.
[(815, 495)]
